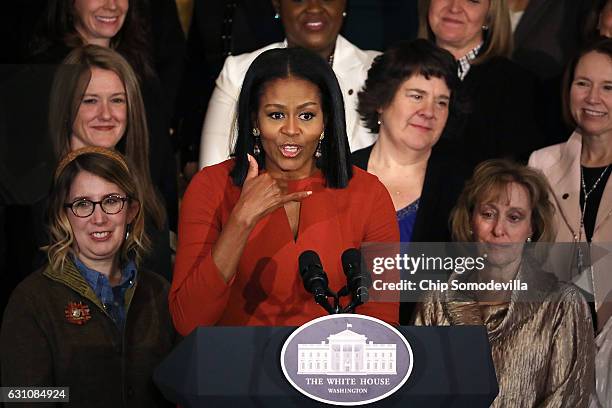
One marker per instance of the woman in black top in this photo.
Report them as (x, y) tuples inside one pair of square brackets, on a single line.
[(501, 114), (408, 95)]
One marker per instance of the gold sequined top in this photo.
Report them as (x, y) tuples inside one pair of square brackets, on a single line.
[(543, 352)]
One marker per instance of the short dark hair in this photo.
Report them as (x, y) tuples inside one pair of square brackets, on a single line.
[(400, 62), (299, 63), (601, 45)]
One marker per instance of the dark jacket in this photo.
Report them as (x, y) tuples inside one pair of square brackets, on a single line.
[(444, 180), (548, 34), (499, 120), (103, 367)]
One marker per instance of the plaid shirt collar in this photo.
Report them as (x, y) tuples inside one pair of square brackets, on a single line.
[(464, 62), (112, 298)]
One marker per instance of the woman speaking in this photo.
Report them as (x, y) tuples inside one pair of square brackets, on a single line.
[(288, 189)]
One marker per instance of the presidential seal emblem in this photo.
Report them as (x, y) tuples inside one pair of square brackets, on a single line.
[(347, 359)]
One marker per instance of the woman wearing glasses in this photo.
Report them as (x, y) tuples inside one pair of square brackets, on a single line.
[(92, 319)]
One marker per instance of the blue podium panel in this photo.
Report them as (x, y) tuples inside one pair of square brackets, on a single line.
[(240, 366)]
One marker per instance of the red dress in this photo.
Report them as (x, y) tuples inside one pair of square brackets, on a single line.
[(267, 289)]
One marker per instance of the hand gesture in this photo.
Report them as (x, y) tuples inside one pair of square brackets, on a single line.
[(261, 194)]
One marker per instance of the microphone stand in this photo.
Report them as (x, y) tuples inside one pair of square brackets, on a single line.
[(323, 301), (351, 306)]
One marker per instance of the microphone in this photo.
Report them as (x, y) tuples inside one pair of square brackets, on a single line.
[(315, 279), (358, 281)]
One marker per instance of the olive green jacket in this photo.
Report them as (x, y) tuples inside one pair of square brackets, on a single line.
[(42, 345)]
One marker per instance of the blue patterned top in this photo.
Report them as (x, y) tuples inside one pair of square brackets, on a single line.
[(405, 219), (113, 298)]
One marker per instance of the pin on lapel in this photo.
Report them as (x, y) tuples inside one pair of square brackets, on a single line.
[(77, 313)]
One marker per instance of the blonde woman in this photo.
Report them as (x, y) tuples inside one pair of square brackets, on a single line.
[(93, 319), (541, 339), (500, 118)]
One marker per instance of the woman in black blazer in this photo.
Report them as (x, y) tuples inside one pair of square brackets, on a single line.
[(407, 97), (501, 114)]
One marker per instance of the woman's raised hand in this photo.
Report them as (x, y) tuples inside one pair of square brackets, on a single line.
[(261, 194)]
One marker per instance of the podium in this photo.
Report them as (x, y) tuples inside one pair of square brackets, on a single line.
[(240, 367)]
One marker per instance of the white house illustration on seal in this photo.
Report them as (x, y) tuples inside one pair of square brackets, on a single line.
[(346, 353)]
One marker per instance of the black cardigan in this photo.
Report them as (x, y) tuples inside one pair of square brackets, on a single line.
[(444, 180), (497, 98)]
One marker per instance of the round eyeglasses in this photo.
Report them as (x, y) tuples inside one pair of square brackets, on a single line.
[(83, 207)]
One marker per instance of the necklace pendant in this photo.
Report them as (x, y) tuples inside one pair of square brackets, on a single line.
[(584, 256)]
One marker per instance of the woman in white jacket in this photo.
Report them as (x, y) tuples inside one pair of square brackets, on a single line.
[(310, 24)]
